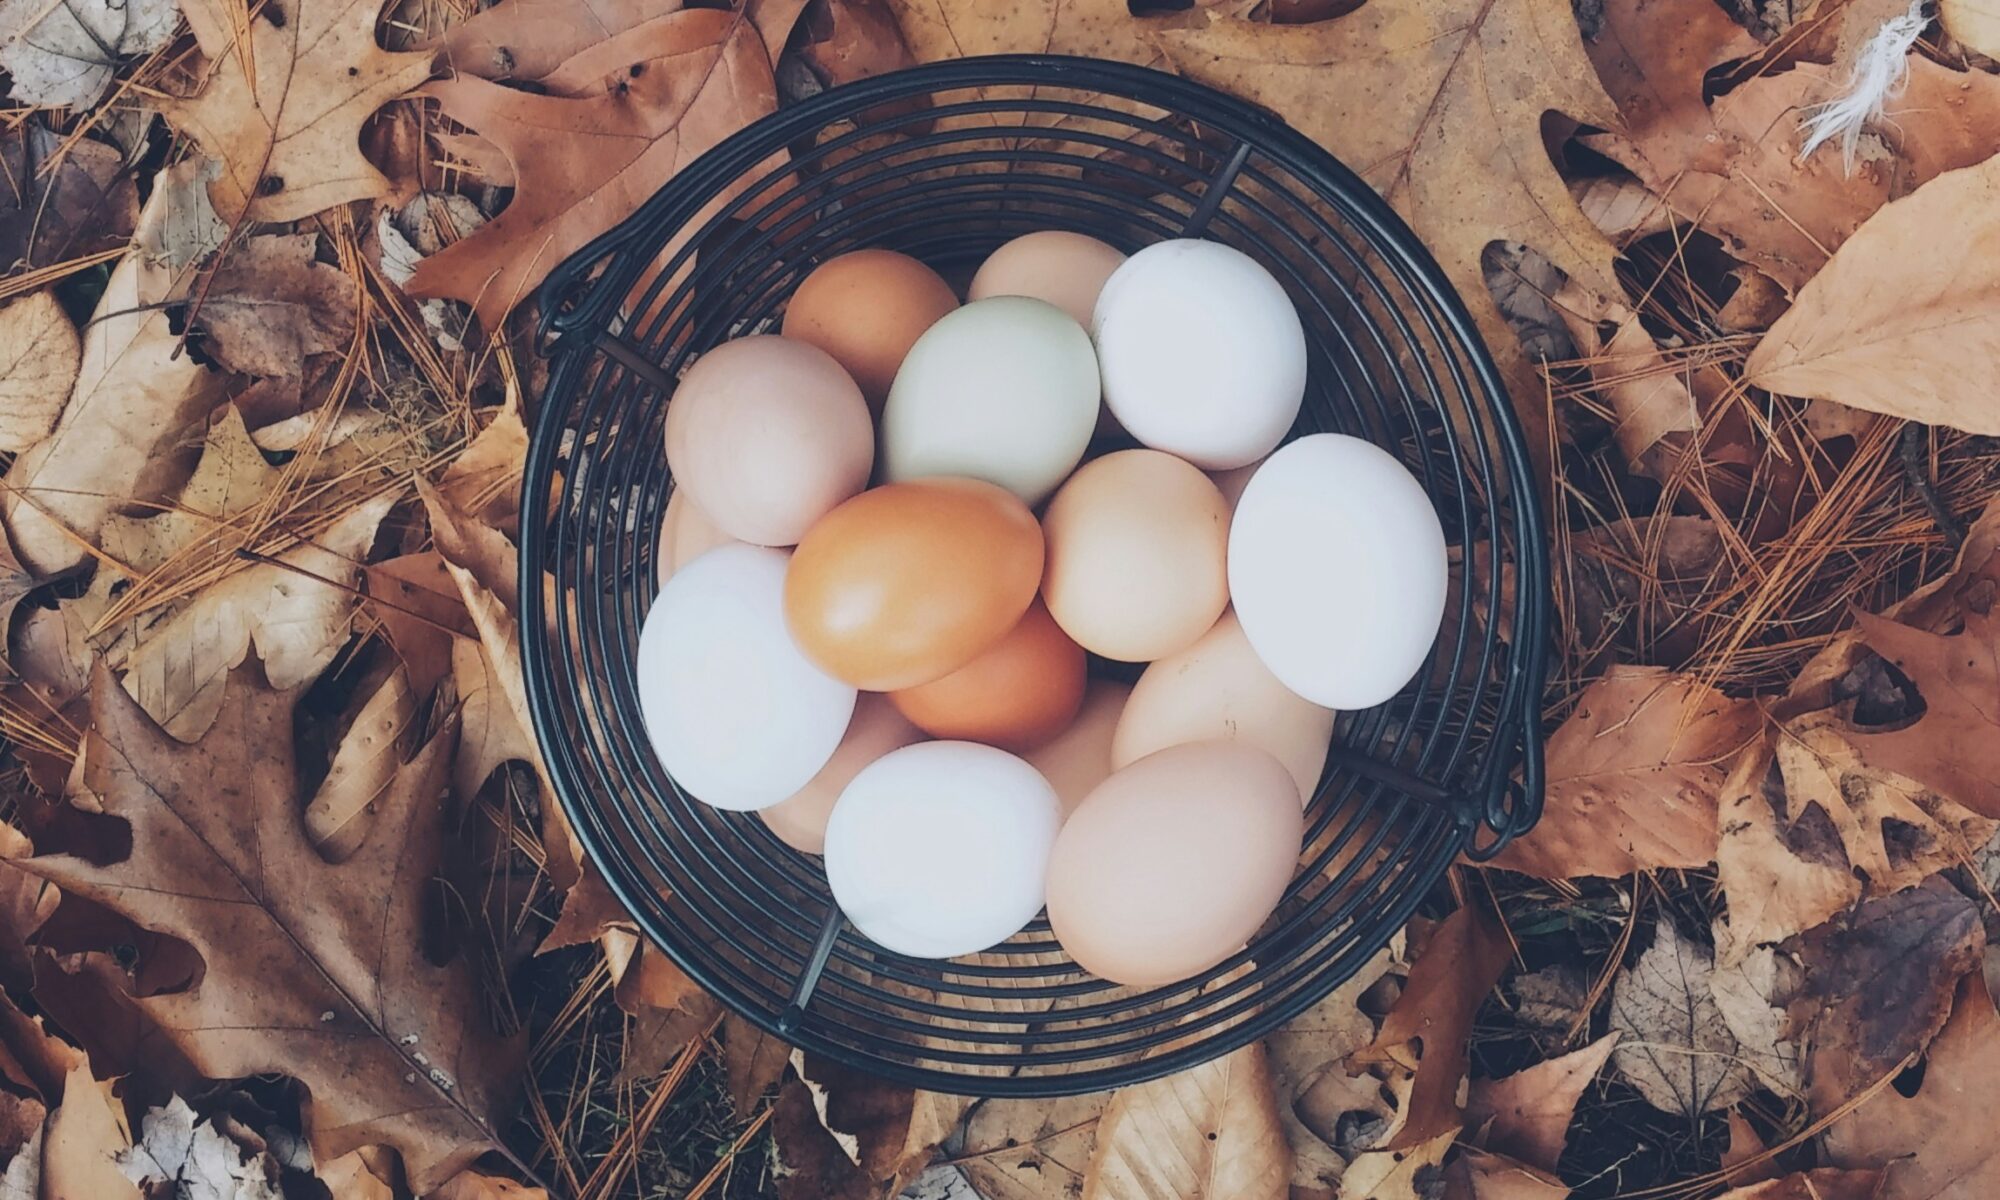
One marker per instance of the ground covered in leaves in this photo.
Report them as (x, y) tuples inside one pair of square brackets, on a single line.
[(287, 908)]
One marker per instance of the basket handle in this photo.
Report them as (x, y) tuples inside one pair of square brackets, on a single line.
[(1512, 805)]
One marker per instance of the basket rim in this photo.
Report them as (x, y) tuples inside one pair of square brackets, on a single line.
[(561, 329)]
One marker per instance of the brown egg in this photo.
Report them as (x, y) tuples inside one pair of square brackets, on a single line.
[(909, 582), (1066, 269), (867, 308), (1170, 865), (876, 728), (1022, 691), (1079, 758), (686, 534), (1137, 555)]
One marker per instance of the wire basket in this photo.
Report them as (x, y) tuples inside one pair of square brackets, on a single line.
[(946, 162)]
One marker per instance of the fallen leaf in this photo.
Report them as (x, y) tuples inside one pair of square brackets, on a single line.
[(366, 762), (39, 357), (1481, 1176), (1648, 585), (484, 481), (414, 603), (1105, 29), (230, 480), (1426, 1030), (1973, 24), (1530, 1110), (1622, 208), (1825, 1183), (22, 1180), (1952, 748), (188, 1157), (472, 1185), (282, 112), (1205, 1133), (360, 1175), (400, 234), (1653, 57), (63, 55), (1676, 1048), (1745, 1160), (1937, 1143), (1751, 995), (584, 163), (135, 394), (1312, 1048), (1653, 401), (1783, 868), (850, 40), (1878, 985), (296, 612), (311, 969), (269, 306), (1757, 301), (862, 1136), (1633, 776), (1942, 121), (752, 1060), (60, 197), (85, 1139), (1889, 324), (1413, 1174), (1031, 1149), (527, 39), (1440, 110), (187, 229)]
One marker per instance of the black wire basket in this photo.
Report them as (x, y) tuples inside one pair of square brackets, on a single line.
[(946, 162)]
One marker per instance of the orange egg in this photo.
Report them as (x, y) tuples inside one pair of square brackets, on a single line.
[(909, 582), (867, 308), (1021, 692)]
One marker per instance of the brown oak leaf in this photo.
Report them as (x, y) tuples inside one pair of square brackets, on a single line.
[(527, 39), (1530, 1110), (269, 305), (1783, 869), (311, 969), (1824, 1183), (1937, 1143), (846, 1135), (1031, 1149), (1653, 56), (586, 161), (1209, 1131), (1954, 747), (57, 203), (1633, 776), (283, 111)]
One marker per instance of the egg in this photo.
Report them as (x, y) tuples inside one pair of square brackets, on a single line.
[(1202, 353), (908, 582), (1020, 692), (767, 434), (1066, 269), (1170, 865), (686, 534), (1232, 482), (1079, 758), (735, 712), (800, 819), (1137, 555), (867, 308), (1004, 390), (1338, 568), (1218, 689), (942, 848)]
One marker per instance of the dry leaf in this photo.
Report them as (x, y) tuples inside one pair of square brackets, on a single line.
[(1530, 1110), (359, 1175), (311, 969), (283, 112), (1751, 995), (1937, 1143), (1308, 1068), (855, 1137), (1031, 1149), (1744, 1160), (586, 162), (1954, 747), (230, 480), (297, 616), (63, 55), (472, 1185), (1106, 29), (1481, 1176), (269, 305), (1891, 322), (1973, 23), (1652, 400), (134, 395), (187, 229), (1783, 868), (1207, 1133), (1676, 1048), (753, 1061), (1440, 108), (60, 197), (849, 40), (86, 1137), (1633, 776), (1878, 985), (527, 39), (1826, 1183), (1944, 120), (484, 481), (416, 606), (1413, 1174), (1653, 56), (1622, 208), (1427, 1029), (39, 356), (365, 765), (22, 1179), (189, 1157)]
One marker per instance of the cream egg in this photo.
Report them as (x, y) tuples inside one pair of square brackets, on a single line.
[(1004, 390), (1079, 758), (1202, 353), (1338, 570), (736, 714), (942, 848), (1066, 269)]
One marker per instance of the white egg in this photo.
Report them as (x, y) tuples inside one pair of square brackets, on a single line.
[(1004, 389), (942, 848), (1337, 568), (737, 715), (1202, 353)]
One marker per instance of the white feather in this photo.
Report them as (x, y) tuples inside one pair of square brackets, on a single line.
[(1877, 76)]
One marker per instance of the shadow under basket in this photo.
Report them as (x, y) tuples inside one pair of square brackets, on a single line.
[(946, 162)]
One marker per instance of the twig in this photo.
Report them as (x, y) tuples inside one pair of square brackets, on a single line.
[(1916, 469)]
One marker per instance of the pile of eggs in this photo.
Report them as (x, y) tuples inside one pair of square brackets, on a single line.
[(897, 677)]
